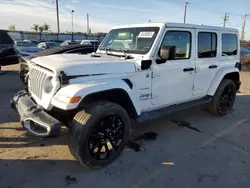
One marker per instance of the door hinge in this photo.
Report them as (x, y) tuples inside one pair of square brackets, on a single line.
[(153, 96), (154, 75), (193, 87)]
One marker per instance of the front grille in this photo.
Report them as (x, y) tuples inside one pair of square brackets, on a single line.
[(36, 81)]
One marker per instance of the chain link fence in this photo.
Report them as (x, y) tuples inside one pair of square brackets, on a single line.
[(39, 36)]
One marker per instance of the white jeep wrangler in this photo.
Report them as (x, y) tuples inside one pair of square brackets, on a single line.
[(139, 72)]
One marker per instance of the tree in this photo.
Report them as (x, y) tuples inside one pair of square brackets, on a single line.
[(12, 28), (46, 27), (35, 27), (41, 29)]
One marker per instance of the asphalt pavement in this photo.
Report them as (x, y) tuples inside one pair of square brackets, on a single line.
[(218, 156)]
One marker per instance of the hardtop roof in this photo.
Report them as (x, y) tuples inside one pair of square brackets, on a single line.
[(179, 25)]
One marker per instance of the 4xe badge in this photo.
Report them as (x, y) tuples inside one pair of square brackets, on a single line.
[(145, 96)]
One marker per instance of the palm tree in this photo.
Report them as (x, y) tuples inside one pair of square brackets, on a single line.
[(41, 29), (46, 27), (35, 27)]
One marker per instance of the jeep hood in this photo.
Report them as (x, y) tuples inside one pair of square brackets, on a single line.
[(78, 64)]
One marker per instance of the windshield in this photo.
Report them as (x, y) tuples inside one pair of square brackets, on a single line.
[(26, 44), (132, 40)]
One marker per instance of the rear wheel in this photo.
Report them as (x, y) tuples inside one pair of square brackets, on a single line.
[(224, 98), (99, 134)]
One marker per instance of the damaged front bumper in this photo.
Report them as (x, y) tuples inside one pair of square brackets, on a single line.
[(33, 117)]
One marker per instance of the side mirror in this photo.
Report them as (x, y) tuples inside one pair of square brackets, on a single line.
[(167, 52)]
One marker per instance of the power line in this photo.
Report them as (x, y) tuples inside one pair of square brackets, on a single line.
[(20, 4), (65, 5)]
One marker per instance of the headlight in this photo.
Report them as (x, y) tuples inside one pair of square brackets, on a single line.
[(48, 86)]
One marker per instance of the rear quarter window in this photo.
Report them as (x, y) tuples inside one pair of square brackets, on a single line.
[(229, 44)]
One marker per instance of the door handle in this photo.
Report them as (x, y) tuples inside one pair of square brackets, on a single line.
[(213, 66), (189, 69)]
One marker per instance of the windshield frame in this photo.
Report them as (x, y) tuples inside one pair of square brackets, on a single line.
[(155, 29)]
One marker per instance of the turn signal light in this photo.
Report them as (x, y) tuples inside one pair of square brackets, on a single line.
[(75, 99), (248, 60)]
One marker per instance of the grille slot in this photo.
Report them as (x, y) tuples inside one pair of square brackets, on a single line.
[(36, 79)]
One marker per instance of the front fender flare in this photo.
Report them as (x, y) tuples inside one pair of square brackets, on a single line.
[(84, 89), (218, 78)]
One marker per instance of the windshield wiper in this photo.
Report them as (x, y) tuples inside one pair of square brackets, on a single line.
[(108, 51), (126, 55)]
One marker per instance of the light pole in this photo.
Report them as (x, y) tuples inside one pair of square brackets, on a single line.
[(72, 25), (185, 12)]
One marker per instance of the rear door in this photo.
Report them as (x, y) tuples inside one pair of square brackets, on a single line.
[(207, 57), (8, 53)]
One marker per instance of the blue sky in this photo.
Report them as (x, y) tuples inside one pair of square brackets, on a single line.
[(107, 13)]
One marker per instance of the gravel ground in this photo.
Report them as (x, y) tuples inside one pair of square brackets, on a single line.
[(218, 156)]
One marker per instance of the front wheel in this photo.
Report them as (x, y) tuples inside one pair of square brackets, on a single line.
[(99, 134), (224, 98)]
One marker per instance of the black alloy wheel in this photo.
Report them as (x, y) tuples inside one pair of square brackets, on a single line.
[(106, 137), (227, 100)]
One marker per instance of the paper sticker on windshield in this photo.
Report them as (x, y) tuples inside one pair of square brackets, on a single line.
[(146, 34)]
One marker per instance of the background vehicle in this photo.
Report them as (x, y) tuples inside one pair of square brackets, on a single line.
[(47, 45), (244, 55), (26, 48), (90, 42), (26, 61), (8, 52), (69, 42), (165, 67), (33, 41)]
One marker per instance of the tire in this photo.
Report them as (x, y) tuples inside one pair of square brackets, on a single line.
[(92, 132), (225, 95)]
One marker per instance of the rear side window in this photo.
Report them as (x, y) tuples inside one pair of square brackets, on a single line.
[(229, 44), (207, 45)]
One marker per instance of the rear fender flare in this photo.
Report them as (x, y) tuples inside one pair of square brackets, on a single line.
[(219, 77)]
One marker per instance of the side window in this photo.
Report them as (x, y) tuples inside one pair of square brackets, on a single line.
[(229, 44), (207, 44), (181, 40)]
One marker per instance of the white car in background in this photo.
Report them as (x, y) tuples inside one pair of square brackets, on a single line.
[(90, 42), (26, 48)]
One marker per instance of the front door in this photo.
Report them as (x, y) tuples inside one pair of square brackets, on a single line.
[(172, 81)]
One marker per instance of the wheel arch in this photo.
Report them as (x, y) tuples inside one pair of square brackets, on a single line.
[(226, 73), (117, 95), (116, 90)]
